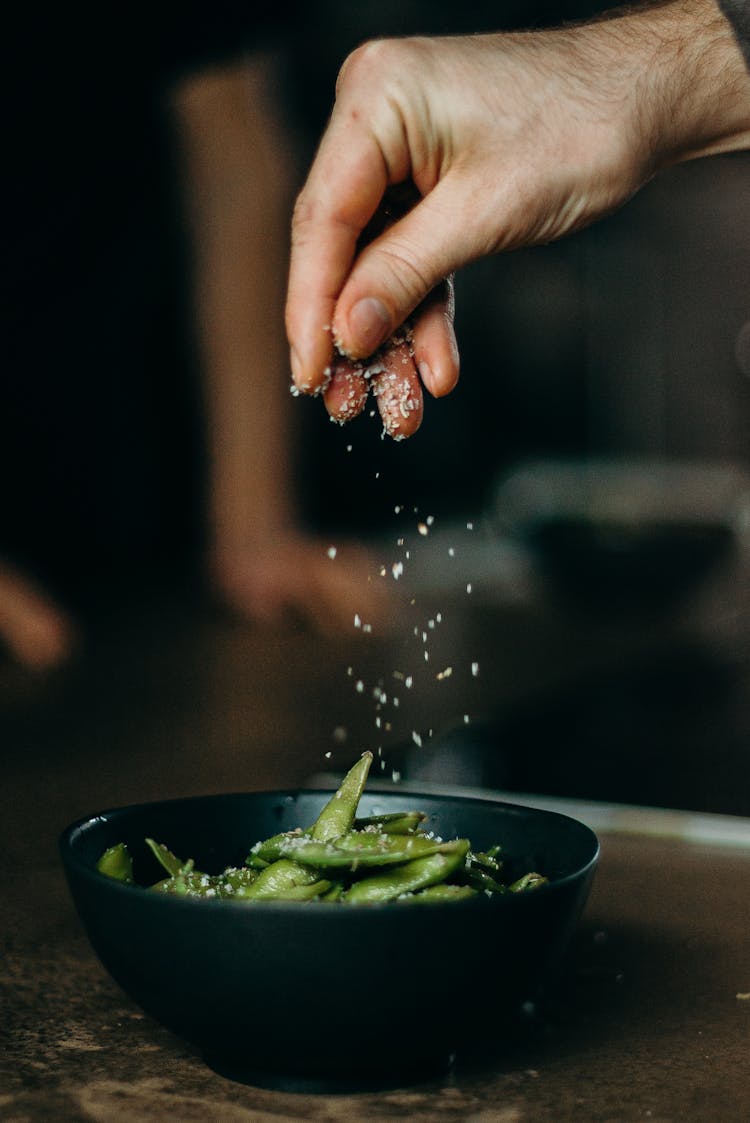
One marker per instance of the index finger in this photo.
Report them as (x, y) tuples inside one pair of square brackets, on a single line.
[(343, 190)]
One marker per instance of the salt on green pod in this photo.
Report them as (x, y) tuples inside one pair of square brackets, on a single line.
[(278, 878), (358, 849), (234, 883), (337, 817), (486, 859), (188, 883), (270, 849), (418, 874), (117, 863), (394, 822)]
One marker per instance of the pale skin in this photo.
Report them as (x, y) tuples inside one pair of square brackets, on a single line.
[(508, 140), (238, 174)]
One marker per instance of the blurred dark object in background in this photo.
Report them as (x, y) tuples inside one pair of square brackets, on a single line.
[(618, 535)]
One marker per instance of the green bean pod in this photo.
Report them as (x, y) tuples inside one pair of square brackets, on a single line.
[(117, 863), (277, 879), (358, 849), (438, 894), (417, 874), (528, 881), (395, 822), (167, 860), (339, 813)]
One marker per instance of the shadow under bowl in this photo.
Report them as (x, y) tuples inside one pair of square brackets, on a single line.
[(328, 992)]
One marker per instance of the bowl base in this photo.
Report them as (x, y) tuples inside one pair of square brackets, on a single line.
[(331, 1083)]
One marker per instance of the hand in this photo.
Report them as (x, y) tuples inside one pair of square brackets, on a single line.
[(509, 140), (37, 633), (291, 575)]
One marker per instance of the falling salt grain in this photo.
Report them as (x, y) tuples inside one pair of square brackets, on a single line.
[(359, 686), (475, 669), (451, 552), (340, 734), (423, 529), (357, 620), (468, 587), (331, 551), (445, 674), (397, 569), (470, 526), (327, 755), (416, 739), (466, 719), (395, 776), (408, 682)]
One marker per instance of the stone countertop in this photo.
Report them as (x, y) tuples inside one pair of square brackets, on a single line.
[(653, 1023)]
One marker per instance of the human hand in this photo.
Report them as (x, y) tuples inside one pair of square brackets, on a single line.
[(36, 632), (509, 140), (295, 576)]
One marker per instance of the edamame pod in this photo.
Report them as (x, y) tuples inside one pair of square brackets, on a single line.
[(418, 874), (169, 861), (277, 879), (358, 849), (117, 863), (338, 815), (397, 822)]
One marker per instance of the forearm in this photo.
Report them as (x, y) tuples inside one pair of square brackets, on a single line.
[(239, 177), (700, 72)]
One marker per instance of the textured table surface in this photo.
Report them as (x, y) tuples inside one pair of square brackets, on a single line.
[(653, 1024)]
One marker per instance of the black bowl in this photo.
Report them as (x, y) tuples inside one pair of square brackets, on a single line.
[(328, 991)]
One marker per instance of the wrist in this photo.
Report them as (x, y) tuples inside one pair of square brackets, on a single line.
[(693, 90)]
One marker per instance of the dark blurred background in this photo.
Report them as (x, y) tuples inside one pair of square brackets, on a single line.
[(611, 617)]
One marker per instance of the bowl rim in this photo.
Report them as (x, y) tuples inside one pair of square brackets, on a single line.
[(71, 859)]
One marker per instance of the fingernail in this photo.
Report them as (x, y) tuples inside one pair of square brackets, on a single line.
[(296, 365), (427, 376), (369, 325), (299, 381)]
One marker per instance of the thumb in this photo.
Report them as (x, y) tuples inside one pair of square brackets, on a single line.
[(394, 273)]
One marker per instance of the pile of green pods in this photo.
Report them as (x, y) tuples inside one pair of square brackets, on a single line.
[(341, 858)]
